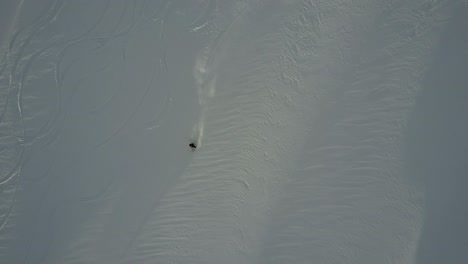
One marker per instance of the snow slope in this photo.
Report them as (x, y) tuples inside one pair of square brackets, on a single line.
[(326, 131)]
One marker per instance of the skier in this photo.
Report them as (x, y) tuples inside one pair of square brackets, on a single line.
[(192, 146)]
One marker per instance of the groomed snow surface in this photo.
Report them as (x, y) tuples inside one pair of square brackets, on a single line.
[(327, 131)]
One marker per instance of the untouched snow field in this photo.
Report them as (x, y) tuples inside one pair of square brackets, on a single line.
[(327, 131)]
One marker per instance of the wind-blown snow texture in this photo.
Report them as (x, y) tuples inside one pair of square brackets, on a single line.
[(327, 131)]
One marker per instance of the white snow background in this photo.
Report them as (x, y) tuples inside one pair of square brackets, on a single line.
[(327, 131)]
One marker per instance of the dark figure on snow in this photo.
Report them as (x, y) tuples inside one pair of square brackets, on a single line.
[(192, 146)]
